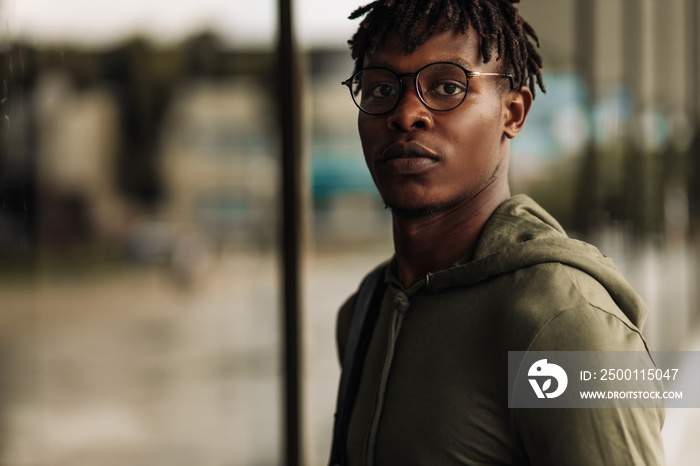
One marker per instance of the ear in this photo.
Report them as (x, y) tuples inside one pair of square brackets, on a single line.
[(517, 105)]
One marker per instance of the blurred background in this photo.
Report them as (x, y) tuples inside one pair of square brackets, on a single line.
[(141, 306)]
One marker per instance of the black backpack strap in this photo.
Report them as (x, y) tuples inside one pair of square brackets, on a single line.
[(364, 318)]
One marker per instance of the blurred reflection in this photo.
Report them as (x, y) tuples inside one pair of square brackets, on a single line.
[(137, 251)]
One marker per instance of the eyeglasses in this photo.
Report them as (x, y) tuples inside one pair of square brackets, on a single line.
[(440, 86)]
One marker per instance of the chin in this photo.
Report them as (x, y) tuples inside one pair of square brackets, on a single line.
[(419, 211)]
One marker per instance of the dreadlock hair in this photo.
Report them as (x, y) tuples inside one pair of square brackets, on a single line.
[(497, 23)]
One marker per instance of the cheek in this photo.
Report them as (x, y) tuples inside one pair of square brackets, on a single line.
[(368, 129), (477, 130), (363, 127), (477, 139)]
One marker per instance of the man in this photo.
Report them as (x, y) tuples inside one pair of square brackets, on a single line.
[(442, 86)]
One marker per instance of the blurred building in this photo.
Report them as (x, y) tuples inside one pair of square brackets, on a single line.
[(77, 148), (219, 163)]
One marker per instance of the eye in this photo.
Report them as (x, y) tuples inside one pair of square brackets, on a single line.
[(448, 89), (383, 90)]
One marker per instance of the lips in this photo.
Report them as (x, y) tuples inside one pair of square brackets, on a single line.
[(407, 158), (406, 150)]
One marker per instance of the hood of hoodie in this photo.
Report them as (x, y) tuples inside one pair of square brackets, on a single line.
[(520, 234)]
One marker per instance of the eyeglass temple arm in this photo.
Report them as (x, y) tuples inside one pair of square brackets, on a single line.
[(505, 75)]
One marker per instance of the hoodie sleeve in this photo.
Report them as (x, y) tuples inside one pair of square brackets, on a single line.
[(590, 436)]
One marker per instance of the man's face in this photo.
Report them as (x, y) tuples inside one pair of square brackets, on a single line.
[(427, 161)]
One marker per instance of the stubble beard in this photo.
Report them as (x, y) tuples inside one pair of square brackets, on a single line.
[(425, 211)]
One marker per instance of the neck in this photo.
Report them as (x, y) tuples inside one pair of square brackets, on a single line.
[(434, 243)]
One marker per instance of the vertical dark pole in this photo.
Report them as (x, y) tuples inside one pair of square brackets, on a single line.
[(290, 119)]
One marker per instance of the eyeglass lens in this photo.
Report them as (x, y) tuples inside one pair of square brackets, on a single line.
[(441, 86)]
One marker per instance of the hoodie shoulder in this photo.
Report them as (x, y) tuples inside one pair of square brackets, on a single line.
[(522, 240), (556, 307)]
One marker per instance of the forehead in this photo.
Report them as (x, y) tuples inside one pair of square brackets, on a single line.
[(451, 45)]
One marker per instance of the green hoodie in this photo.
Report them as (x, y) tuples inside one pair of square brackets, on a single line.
[(434, 385)]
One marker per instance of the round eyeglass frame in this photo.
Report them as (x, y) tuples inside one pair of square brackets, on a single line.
[(399, 77)]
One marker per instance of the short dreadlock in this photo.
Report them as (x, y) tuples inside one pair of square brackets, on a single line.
[(497, 23)]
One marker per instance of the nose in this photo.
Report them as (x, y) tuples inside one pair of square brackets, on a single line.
[(410, 112)]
